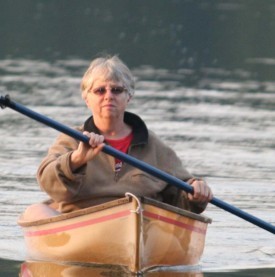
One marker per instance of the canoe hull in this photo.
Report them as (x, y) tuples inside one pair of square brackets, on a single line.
[(127, 232)]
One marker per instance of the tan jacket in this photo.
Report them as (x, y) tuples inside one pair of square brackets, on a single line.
[(97, 182)]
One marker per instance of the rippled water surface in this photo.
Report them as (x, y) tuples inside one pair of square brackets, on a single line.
[(222, 129)]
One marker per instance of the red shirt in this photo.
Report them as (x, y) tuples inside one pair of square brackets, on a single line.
[(121, 145)]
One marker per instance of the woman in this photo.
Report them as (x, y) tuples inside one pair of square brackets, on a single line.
[(78, 175)]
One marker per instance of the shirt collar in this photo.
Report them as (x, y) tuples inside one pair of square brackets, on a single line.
[(140, 130)]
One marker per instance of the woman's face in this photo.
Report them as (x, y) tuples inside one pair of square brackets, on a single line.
[(107, 99)]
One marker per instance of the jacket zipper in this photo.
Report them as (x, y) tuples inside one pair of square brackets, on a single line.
[(117, 169), (116, 176)]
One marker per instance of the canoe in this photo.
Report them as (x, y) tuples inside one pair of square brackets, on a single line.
[(135, 233)]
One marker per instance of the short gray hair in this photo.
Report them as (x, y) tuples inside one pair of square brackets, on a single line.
[(109, 68)]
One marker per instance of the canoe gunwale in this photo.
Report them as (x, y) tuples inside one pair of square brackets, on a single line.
[(110, 204), (73, 214), (146, 200)]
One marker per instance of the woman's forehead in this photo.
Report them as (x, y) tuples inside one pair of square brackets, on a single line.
[(101, 81)]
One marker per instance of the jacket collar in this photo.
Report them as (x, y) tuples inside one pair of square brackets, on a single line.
[(140, 130)]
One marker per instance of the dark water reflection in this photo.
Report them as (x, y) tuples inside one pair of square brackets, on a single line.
[(235, 36)]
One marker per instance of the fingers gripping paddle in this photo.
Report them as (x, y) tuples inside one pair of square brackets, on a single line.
[(6, 102)]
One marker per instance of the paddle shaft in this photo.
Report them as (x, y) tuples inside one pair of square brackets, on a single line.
[(6, 102)]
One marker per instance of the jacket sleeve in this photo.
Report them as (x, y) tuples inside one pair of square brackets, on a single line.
[(172, 164), (54, 174)]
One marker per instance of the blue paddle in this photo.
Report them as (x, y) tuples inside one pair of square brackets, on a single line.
[(6, 102)]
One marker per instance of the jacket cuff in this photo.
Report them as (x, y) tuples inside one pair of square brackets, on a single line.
[(65, 166)]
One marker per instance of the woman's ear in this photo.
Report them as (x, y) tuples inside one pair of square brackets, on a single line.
[(85, 97), (129, 98), (86, 101)]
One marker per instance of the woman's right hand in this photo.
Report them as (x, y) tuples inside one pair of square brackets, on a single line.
[(86, 152)]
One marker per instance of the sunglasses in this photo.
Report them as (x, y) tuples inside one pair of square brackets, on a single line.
[(114, 90)]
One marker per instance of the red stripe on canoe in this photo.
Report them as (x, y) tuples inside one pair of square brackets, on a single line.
[(174, 222), (78, 224), (111, 217)]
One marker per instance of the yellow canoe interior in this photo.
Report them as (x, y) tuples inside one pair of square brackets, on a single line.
[(134, 233)]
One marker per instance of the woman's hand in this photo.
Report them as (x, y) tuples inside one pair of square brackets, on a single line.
[(86, 152), (202, 192)]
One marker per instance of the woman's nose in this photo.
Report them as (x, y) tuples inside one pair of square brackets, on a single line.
[(108, 93)]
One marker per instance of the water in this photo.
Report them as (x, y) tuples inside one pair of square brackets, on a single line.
[(205, 84), (222, 135)]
